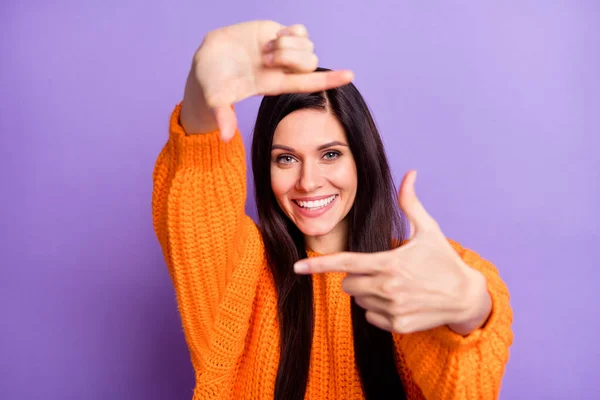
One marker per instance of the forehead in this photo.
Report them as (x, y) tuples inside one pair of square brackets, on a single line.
[(307, 129)]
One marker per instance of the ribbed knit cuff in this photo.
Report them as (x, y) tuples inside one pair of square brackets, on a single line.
[(206, 150), (454, 341)]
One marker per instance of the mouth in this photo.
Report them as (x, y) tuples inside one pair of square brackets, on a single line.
[(315, 208)]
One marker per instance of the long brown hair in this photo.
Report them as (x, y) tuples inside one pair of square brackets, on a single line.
[(374, 221)]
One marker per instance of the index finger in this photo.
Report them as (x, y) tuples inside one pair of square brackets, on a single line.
[(316, 81), (353, 263)]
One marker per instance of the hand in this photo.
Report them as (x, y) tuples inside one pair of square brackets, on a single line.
[(420, 285), (258, 57)]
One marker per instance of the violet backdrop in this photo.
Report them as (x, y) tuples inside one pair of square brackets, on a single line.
[(496, 104)]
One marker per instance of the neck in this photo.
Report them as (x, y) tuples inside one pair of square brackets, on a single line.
[(333, 242)]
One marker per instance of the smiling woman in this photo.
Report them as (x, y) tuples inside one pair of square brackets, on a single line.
[(313, 173), (326, 200), (270, 311)]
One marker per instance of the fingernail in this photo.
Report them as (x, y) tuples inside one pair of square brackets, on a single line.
[(269, 46), (300, 267), (300, 30)]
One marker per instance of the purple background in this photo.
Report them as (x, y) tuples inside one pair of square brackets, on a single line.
[(497, 107)]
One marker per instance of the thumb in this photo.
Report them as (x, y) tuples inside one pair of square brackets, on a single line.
[(410, 204), (226, 121)]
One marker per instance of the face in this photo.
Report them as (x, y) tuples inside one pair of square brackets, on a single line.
[(313, 173)]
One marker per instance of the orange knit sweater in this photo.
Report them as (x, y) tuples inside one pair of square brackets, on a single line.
[(228, 305)]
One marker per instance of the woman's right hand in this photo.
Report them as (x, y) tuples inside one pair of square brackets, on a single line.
[(247, 59)]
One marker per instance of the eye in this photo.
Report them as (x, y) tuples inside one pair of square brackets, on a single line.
[(331, 155), (285, 159)]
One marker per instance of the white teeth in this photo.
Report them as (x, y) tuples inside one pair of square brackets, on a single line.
[(314, 205)]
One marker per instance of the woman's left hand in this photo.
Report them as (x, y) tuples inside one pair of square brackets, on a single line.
[(420, 285)]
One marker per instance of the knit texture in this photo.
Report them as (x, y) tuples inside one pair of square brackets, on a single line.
[(228, 303)]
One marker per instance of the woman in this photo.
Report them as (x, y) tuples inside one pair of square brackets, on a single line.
[(270, 311)]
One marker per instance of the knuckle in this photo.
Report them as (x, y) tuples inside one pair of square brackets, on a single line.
[(282, 42), (388, 286), (372, 317), (397, 307), (314, 61), (306, 44), (399, 325), (384, 287), (395, 271), (345, 285), (360, 302), (281, 57), (351, 285), (396, 274)]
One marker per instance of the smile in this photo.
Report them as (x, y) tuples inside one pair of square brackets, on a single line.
[(316, 204), (315, 208)]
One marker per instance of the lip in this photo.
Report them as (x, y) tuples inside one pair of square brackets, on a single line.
[(315, 213), (313, 198)]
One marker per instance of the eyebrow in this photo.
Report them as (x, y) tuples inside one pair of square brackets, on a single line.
[(322, 147)]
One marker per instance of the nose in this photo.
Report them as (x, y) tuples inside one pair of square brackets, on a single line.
[(310, 178)]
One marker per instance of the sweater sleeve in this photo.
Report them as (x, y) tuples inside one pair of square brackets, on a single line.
[(446, 365), (212, 249)]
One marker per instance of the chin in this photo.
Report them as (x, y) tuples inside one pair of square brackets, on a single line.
[(315, 229)]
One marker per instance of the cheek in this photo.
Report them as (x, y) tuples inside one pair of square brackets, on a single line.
[(282, 181), (344, 176)]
